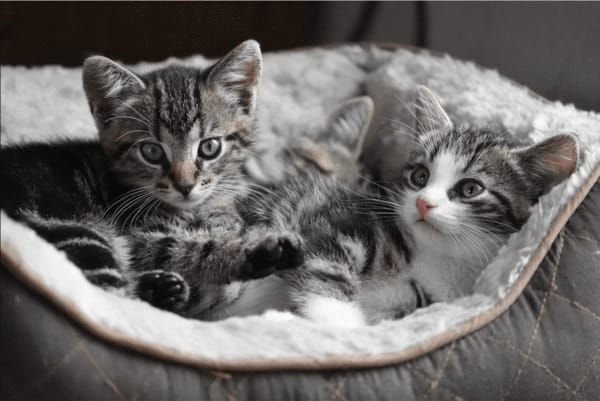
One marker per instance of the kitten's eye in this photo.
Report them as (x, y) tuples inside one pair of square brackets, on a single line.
[(470, 188), (419, 176), (209, 148), (152, 152)]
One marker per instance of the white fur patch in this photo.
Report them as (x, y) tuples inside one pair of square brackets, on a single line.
[(333, 312)]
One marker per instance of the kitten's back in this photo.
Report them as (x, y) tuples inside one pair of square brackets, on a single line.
[(56, 179)]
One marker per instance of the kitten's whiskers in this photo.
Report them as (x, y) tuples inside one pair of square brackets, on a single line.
[(127, 118)]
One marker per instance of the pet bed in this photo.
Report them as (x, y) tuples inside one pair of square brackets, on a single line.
[(531, 329)]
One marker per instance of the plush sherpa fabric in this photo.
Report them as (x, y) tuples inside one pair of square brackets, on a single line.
[(300, 88)]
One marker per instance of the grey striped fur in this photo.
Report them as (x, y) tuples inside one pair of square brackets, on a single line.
[(194, 233), (369, 255), (308, 165), (176, 108), (170, 204)]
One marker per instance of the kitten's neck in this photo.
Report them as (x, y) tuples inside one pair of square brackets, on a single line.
[(447, 275), (226, 202)]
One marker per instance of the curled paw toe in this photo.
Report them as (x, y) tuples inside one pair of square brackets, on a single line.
[(165, 290), (292, 254)]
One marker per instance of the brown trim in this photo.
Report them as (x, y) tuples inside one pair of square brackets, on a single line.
[(12, 262)]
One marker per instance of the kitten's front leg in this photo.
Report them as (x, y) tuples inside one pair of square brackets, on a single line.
[(172, 265), (326, 289)]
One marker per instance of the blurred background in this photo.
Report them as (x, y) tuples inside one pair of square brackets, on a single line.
[(553, 48)]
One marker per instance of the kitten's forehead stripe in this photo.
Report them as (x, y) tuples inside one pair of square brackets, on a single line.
[(474, 157), (177, 99)]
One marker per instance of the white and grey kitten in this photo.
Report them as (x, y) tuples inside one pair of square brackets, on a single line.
[(375, 251), (464, 191)]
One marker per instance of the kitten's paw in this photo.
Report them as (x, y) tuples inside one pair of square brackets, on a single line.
[(275, 252), (165, 290), (292, 254)]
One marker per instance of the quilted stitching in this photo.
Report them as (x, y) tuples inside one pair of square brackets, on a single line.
[(436, 382), (101, 372), (561, 242), (588, 370)]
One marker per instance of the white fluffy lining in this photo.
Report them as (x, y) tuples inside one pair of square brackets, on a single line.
[(301, 86)]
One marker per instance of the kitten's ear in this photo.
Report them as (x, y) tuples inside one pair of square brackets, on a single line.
[(238, 74), (550, 161), (349, 124), (106, 83), (430, 116)]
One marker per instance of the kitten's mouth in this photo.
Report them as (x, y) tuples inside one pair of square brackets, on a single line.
[(192, 202), (188, 203)]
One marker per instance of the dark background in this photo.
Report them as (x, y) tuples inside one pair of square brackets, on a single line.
[(554, 48)]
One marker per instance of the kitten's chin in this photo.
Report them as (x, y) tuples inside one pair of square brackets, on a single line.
[(188, 203), (427, 227), (427, 236), (432, 240)]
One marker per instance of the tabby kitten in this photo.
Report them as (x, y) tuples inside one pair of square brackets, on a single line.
[(376, 251), (171, 148), (314, 154)]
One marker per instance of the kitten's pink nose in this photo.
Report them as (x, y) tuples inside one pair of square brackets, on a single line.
[(423, 207)]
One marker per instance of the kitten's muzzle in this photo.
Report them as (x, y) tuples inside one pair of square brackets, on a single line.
[(183, 175), (424, 206)]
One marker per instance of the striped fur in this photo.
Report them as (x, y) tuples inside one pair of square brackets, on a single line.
[(89, 242), (460, 233), (372, 253), (284, 197), (172, 145), (176, 111)]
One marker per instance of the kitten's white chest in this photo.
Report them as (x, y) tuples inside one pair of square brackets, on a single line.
[(443, 277)]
